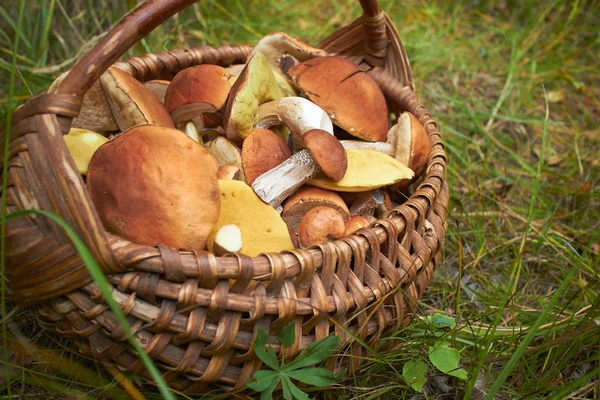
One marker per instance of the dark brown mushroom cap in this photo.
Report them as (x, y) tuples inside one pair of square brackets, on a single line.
[(263, 150), (156, 185), (328, 153), (352, 98)]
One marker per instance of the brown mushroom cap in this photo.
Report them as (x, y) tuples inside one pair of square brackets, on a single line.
[(196, 89), (309, 197), (319, 224), (262, 150), (355, 223), (352, 98), (131, 102), (154, 184), (327, 152)]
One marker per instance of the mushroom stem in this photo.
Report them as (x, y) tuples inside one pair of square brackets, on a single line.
[(382, 147), (297, 113), (366, 204), (192, 132), (277, 184)]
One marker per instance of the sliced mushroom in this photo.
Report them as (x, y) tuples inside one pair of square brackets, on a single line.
[(82, 144), (352, 98), (297, 114), (131, 102), (262, 150), (320, 224), (198, 94), (367, 169), (307, 198), (255, 85), (262, 228), (146, 187), (323, 153)]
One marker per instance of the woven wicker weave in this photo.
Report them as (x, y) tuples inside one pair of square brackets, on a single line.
[(196, 314)]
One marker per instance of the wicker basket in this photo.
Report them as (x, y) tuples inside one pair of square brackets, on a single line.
[(193, 312)]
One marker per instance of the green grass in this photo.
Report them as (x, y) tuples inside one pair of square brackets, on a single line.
[(516, 89)]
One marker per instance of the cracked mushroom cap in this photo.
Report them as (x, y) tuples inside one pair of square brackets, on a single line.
[(197, 90), (352, 98), (327, 152), (156, 185), (131, 102), (262, 150)]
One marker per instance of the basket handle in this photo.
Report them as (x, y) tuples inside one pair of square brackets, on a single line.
[(141, 21)]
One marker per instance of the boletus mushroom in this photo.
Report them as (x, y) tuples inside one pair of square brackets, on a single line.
[(198, 94), (255, 85), (320, 224), (308, 197), (262, 150), (323, 153), (352, 98), (153, 184), (278, 44), (131, 102)]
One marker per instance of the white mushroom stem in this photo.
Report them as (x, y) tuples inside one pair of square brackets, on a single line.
[(298, 114), (382, 147), (277, 184)]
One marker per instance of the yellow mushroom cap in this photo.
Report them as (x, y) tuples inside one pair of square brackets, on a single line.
[(367, 169), (261, 226)]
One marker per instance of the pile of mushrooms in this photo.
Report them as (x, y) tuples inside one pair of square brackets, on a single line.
[(245, 158)]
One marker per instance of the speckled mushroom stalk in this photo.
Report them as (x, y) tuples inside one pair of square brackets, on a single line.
[(323, 153)]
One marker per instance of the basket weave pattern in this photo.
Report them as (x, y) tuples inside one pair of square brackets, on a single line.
[(195, 314)]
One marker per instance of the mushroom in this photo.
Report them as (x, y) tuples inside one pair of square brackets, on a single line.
[(228, 240), (278, 44), (95, 113), (261, 226), (226, 153), (255, 85), (131, 102), (262, 150), (198, 94), (146, 187), (320, 224), (323, 153), (355, 223), (307, 198), (297, 114), (407, 142), (352, 98), (82, 144), (159, 88), (367, 169), (229, 172)]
